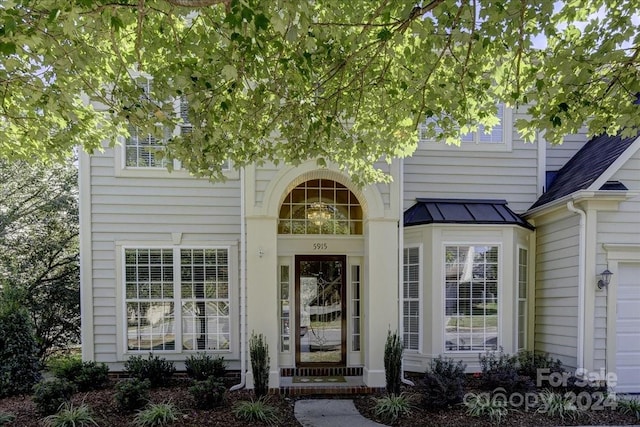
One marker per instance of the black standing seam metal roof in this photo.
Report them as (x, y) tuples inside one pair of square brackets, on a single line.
[(462, 211), (585, 167)]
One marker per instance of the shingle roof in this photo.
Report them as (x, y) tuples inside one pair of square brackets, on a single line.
[(585, 167), (461, 211)]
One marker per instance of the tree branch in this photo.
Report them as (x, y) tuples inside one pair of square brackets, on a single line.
[(199, 3), (416, 13)]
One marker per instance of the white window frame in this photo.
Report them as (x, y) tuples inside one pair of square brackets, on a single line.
[(419, 299), (477, 145), (122, 247), (284, 333), (355, 319), (210, 318), (137, 300), (120, 153), (499, 284), (519, 299)]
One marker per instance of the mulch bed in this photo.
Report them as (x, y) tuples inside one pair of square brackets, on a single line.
[(107, 413), (457, 417)]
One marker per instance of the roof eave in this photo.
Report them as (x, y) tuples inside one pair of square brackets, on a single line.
[(577, 197), (473, 224)]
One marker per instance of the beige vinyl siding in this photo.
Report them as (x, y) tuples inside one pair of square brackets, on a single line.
[(619, 227), (264, 175), (556, 292), (454, 173), (558, 155), (139, 209)]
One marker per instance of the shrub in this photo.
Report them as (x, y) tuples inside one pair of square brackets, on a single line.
[(443, 383), (6, 418), (500, 370), (392, 407), (484, 405), (210, 393), (70, 416), (19, 365), (558, 405), (63, 366), (92, 376), (157, 415), (393, 363), (132, 394), (256, 411), (577, 385), (49, 396), (259, 353), (85, 375), (627, 407), (202, 366), (529, 363), (155, 369)]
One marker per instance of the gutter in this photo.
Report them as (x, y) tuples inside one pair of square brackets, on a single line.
[(581, 282), (243, 288), (578, 196)]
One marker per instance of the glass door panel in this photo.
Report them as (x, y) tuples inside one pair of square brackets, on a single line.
[(320, 311)]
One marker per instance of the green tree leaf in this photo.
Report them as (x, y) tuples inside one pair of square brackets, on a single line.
[(348, 82)]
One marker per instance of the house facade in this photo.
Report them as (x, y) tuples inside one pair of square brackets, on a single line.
[(469, 249)]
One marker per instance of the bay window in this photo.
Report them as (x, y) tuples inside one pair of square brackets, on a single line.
[(471, 297)]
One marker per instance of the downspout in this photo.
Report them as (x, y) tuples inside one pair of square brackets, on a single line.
[(243, 287), (401, 263), (581, 282)]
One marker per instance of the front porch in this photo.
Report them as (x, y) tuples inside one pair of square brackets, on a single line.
[(324, 381)]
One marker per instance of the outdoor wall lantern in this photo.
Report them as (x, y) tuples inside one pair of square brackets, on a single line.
[(605, 279)]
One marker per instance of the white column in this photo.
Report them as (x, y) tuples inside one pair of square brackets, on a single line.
[(262, 289), (380, 295)]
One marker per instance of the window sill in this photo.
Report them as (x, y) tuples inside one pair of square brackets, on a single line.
[(441, 146), (141, 172)]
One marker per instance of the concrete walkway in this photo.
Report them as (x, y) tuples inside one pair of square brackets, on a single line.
[(330, 413)]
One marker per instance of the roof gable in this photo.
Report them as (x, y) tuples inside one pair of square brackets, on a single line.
[(586, 166)]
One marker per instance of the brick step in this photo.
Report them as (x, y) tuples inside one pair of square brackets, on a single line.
[(328, 390), (322, 371)]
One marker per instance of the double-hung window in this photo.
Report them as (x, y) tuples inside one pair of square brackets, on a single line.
[(150, 299), (177, 299), (523, 282), (143, 150), (471, 297), (143, 153), (498, 139), (411, 298)]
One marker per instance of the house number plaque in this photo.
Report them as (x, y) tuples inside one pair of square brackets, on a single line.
[(320, 246)]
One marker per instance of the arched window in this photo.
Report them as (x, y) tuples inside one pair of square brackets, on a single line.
[(320, 206)]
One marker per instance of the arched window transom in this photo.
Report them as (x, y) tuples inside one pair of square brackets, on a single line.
[(320, 206)]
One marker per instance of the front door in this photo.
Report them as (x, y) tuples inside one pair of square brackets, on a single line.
[(320, 310)]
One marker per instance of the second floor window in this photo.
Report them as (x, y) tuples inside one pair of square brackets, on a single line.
[(498, 138), (144, 150)]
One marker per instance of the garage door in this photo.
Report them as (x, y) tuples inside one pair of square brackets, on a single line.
[(628, 329)]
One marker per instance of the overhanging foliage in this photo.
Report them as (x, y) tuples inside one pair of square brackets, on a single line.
[(334, 80)]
